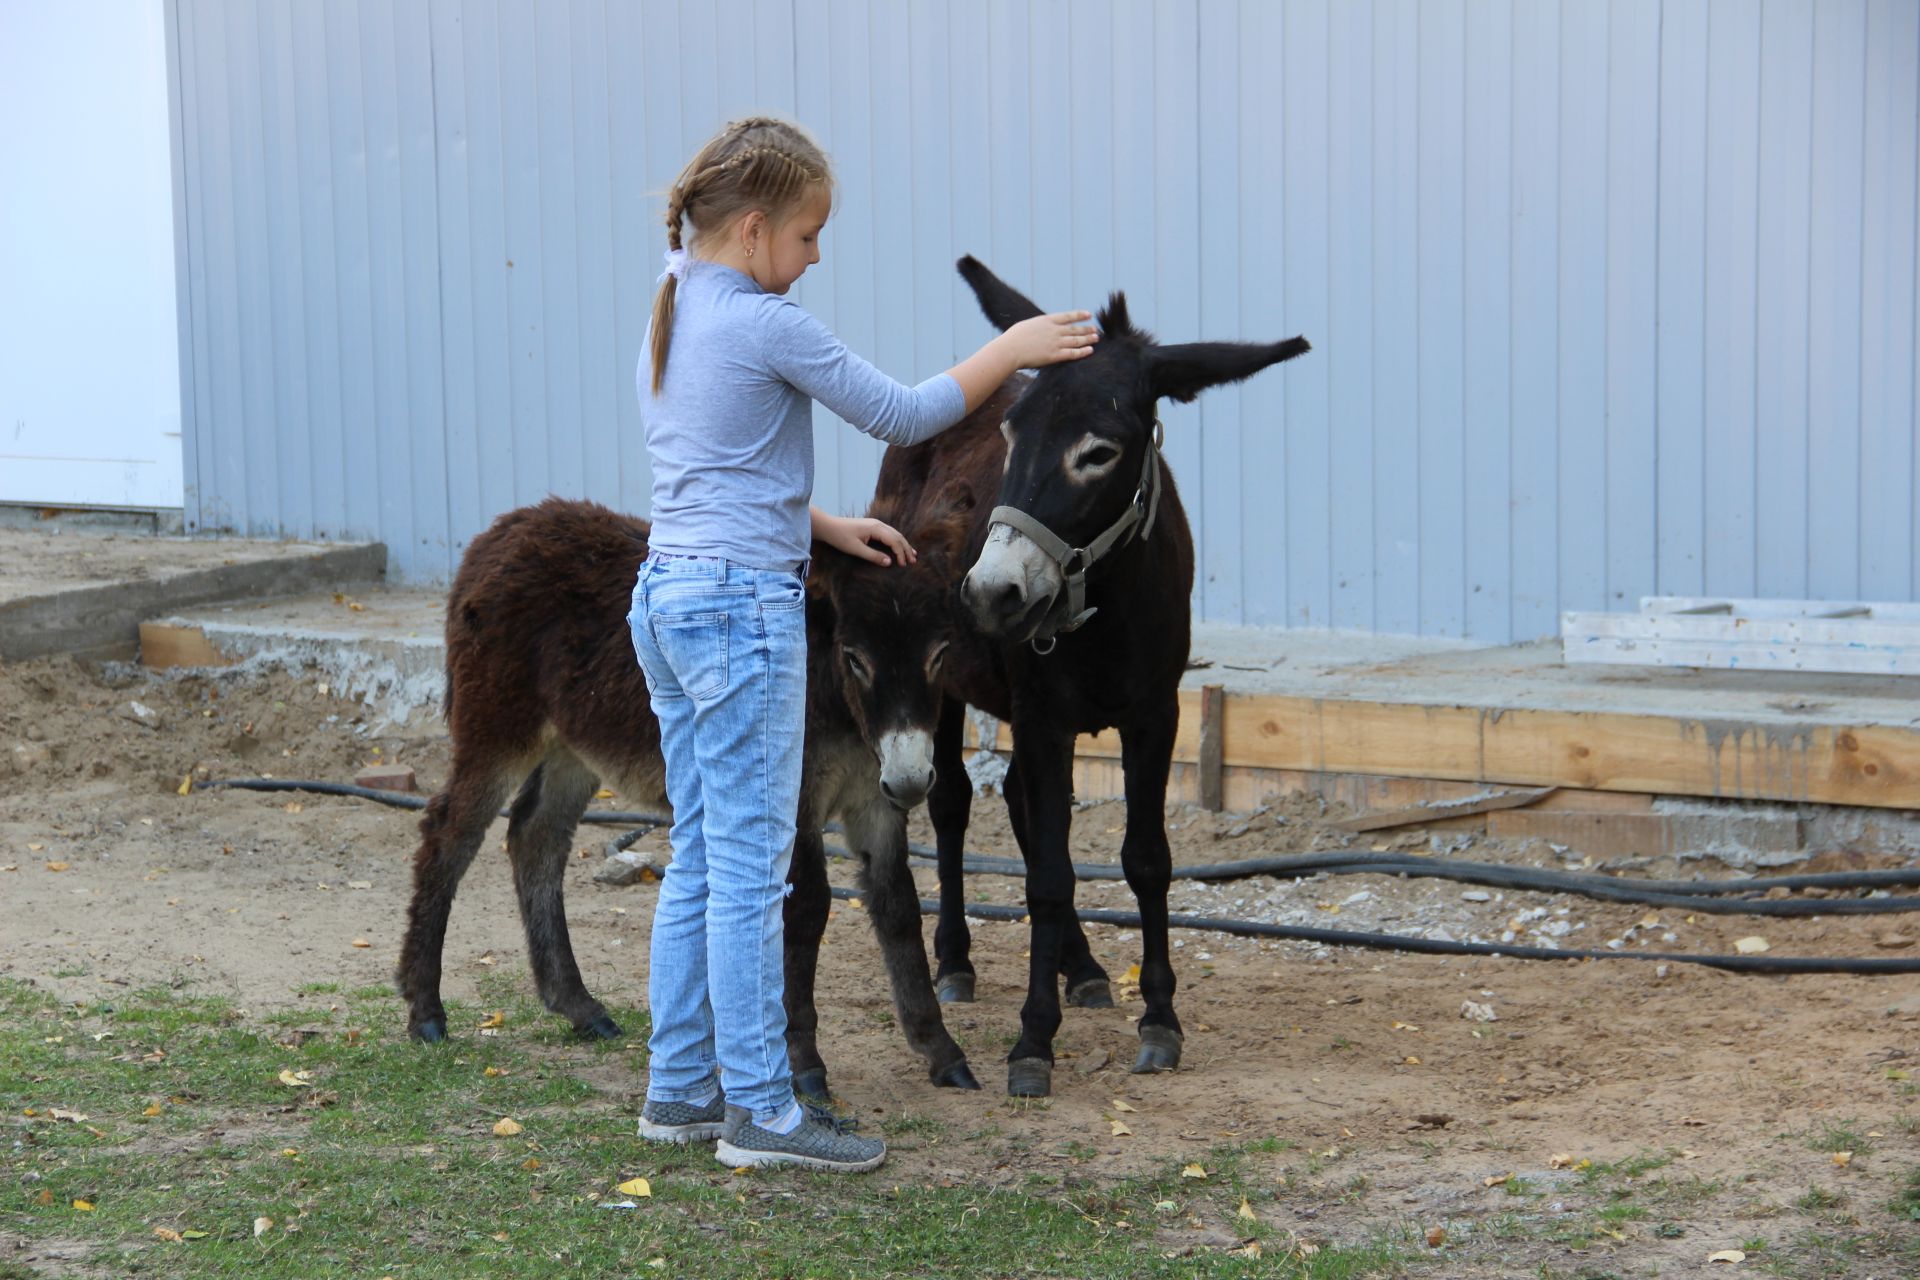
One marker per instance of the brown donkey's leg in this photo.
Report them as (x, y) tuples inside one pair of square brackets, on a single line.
[(455, 823), (539, 836), (805, 917), (893, 906)]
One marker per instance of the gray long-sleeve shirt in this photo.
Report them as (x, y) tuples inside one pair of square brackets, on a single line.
[(730, 434)]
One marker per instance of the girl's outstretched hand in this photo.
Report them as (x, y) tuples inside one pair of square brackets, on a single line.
[(1045, 340), (856, 535)]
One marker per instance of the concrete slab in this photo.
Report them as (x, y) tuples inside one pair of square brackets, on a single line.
[(84, 592), (1532, 677)]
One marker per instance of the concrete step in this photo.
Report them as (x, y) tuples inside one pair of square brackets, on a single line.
[(86, 593)]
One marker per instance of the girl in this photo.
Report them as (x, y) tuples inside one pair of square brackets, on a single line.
[(718, 614)]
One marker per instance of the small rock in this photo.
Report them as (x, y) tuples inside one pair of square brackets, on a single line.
[(29, 756), (1474, 1011), (627, 867), (141, 714), (1477, 895), (1891, 941), (1908, 1008), (1093, 1062)]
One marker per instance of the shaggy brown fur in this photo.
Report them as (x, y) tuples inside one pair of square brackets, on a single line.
[(544, 692)]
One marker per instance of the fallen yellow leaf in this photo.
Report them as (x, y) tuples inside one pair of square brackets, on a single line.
[(168, 1234), (1560, 1160), (296, 1079), (1752, 944), (498, 1018), (603, 794), (1843, 1158), (84, 1206), (530, 1164), (1496, 1180), (1132, 975), (56, 866), (1246, 1211), (153, 1110), (506, 1127), (261, 1226), (1194, 1171), (294, 806), (493, 1071), (636, 1187), (362, 943), (186, 785), (1120, 1104), (1727, 1255), (1120, 1129)]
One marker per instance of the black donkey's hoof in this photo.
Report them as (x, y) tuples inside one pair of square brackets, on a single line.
[(957, 1075), (1159, 1050), (811, 1086), (430, 1031), (1094, 993), (601, 1028), (954, 988), (1029, 1078)]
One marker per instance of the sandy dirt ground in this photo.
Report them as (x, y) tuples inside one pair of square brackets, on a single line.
[(1390, 1107)]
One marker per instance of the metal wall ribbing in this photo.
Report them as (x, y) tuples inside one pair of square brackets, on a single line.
[(1607, 298)]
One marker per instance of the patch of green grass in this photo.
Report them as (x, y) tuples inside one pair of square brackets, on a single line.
[(1519, 1186), (1906, 1205), (1269, 1146), (1844, 1136), (380, 1159), (1635, 1166), (1819, 1200)]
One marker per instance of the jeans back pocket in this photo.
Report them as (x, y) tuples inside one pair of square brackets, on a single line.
[(695, 647)]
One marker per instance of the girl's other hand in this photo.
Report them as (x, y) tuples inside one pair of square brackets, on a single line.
[(856, 535), (1045, 340)]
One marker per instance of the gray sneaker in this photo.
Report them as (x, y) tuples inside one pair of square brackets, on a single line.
[(822, 1141), (682, 1122)]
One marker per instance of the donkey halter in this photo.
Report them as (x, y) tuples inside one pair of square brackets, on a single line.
[(1075, 561)]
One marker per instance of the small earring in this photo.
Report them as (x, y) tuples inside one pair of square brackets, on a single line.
[(749, 251)]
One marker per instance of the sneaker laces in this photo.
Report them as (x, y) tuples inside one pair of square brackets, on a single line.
[(821, 1115)]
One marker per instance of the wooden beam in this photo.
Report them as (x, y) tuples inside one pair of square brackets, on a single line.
[(1872, 765), (1440, 810), (1213, 699)]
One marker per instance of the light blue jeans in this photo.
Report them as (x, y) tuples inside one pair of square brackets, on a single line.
[(724, 650)]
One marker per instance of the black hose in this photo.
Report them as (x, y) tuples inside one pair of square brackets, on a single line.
[(1706, 899), (1433, 946)]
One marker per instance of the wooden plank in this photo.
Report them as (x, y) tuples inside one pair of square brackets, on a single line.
[(1861, 646), (1213, 699), (1440, 810), (1873, 765)]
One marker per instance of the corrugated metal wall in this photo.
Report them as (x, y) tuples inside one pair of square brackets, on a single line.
[(1607, 298)]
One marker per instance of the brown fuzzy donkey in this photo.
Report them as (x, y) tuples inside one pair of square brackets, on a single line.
[(544, 692)]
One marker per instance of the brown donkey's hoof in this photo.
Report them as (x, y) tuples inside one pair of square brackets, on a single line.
[(601, 1028), (954, 988), (1159, 1050), (957, 1075), (1094, 993), (1029, 1078)]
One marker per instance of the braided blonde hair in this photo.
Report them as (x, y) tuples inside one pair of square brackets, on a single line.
[(756, 163)]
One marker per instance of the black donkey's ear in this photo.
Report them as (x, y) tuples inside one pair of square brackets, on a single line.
[(1005, 306), (1183, 371)]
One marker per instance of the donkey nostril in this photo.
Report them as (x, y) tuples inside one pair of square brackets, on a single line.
[(1008, 598)]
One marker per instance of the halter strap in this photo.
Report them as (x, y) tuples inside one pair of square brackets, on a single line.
[(1075, 561)]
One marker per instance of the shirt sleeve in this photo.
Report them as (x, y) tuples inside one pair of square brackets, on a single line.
[(806, 354)]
